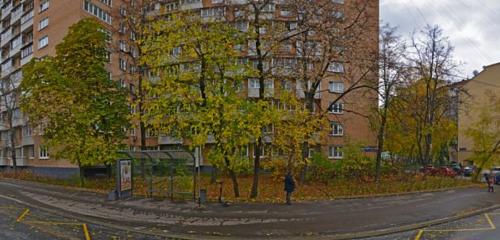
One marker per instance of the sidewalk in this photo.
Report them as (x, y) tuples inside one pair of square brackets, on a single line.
[(322, 218)]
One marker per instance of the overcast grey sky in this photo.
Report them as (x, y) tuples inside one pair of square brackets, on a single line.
[(473, 26)]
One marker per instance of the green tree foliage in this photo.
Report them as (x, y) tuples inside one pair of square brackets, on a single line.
[(197, 95), (485, 134), (81, 111), (406, 126)]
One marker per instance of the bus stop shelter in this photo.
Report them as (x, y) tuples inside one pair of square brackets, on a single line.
[(159, 170)]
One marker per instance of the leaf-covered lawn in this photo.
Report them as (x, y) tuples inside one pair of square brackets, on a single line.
[(271, 189)]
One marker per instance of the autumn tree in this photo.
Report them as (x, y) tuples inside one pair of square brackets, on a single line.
[(392, 73), (485, 134), (9, 101), (134, 17), (197, 95), (432, 65), (70, 96)]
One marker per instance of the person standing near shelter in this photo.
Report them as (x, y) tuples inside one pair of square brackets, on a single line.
[(289, 187)]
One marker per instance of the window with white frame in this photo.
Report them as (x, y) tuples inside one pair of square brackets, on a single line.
[(43, 42), (123, 46), (337, 129), (44, 5), (107, 2), (43, 152), (43, 23), (97, 11), (262, 152), (337, 108), (253, 83), (335, 152), (336, 67), (123, 64), (336, 87), (27, 131)]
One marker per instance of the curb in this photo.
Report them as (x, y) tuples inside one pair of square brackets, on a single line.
[(472, 185), (404, 228), (341, 236)]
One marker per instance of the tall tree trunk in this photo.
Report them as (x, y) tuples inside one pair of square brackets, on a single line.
[(13, 147), (81, 173), (142, 127), (380, 148), (234, 179), (309, 98), (256, 168)]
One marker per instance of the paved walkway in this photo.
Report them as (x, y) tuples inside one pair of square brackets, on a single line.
[(315, 219)]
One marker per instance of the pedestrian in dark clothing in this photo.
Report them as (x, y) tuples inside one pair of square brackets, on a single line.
[(289, 187), (490, 184)]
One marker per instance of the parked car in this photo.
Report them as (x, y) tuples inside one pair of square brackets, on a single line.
[(497, 178), (446, 172), (428, 170), (468, 171), (457, 168), (495, 170)]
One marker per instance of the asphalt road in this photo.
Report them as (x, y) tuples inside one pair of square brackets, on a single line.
[(481, 227), (19, 222)]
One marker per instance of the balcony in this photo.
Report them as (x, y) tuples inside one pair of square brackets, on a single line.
[(3, 161), (16, 78), (16, 15), (191, 4), (168, 140), (16, 45), (6, 36), (21, 161), (253, 92), (27, 141), (26, 60), (6, 10), (27, 21), (7, 69)]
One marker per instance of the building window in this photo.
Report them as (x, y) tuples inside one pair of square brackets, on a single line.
[(44, 5), (43, 152), (43, 42), (123, 64), (253, 83), (335, 152), (337, 129), (337, 108), (123, 46), (97, 11), (43, 23), (336, 87), (27, 131), (107, 2), (336, 67), (262, 152)]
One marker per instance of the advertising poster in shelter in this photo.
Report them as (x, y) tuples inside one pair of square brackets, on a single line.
[(126, 175)]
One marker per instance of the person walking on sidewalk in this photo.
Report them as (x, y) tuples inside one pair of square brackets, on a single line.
[(490, 183), (289, 187)]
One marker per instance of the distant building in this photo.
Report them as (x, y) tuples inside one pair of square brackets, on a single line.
[(473, 98)]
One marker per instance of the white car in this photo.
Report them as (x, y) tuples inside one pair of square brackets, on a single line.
[(495, 170)]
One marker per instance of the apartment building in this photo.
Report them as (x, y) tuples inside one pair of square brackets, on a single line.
[(32, 29), (348, 117), (475, 96)]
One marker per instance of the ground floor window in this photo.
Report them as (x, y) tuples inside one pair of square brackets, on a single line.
[(335, 152), (44, 152)]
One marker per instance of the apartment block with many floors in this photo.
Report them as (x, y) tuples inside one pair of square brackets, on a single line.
[(32, 29)]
